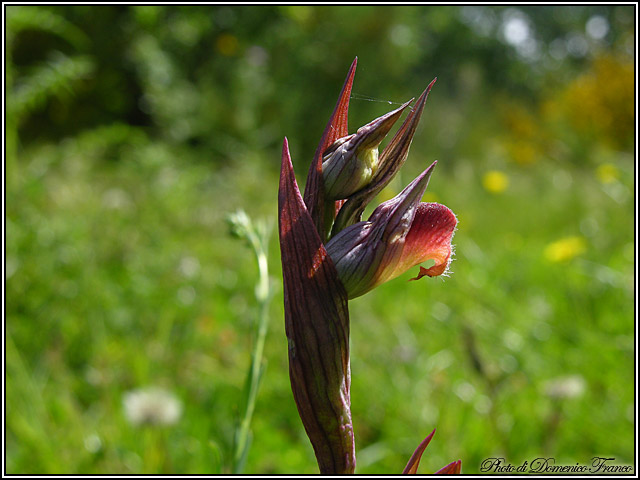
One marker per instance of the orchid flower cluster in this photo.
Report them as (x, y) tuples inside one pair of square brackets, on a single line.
[(330, 255)]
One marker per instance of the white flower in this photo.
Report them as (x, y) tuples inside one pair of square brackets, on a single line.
[(565, 387), (152, 406)]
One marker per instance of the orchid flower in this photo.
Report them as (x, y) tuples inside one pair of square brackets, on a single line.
[(329, 255)]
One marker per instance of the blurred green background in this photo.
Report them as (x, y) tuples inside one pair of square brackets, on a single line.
[(132, 131)]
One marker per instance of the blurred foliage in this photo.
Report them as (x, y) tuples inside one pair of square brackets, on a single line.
[(190, 71), (132, 131)]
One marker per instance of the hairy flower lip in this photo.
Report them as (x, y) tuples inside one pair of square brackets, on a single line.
[(391, 160), (350, 163), (430, 237)]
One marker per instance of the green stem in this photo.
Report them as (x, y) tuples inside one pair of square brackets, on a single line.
[(263, 295)]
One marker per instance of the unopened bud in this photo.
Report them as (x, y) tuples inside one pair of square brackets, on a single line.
[(351, 162)]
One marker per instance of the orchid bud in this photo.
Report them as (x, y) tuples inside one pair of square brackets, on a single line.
[(401, 233), (352, 161), (391, 159)]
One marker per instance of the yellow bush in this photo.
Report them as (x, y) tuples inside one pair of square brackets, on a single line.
[(600, 102)]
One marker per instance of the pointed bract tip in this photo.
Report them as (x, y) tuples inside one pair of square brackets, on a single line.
[(414, 461), (423, 97), (286, 156), (417, 188), (453, 468), (374, 132), (412, 193), (431, 84)]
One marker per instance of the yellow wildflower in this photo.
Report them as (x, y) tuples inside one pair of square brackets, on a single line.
[(565, 249), (227, 44), (607, 173), (495, 181)]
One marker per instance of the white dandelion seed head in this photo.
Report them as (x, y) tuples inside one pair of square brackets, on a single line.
[(151, 406)]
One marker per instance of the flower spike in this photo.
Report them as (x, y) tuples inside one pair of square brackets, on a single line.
[(329, 256)]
